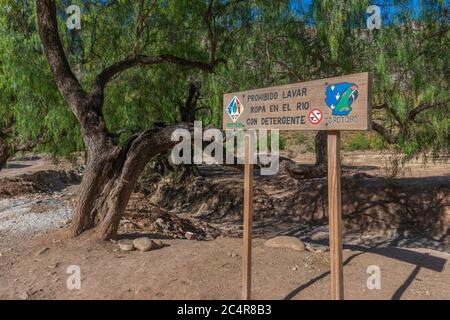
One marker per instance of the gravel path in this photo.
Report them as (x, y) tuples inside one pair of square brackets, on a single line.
[(26, 216)]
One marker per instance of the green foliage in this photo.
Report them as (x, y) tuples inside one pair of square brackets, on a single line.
[(301, 138), (264, 43), (282, 145), (359, 142), (29, 98)]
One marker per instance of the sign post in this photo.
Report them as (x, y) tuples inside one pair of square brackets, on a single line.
[(335, 215), (333, 104), (248, 219)]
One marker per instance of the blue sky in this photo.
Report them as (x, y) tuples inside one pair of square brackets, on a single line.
[(390, 9)]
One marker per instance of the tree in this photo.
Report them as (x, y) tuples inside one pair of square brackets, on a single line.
[(32, 114), (112, 169), (326, 38)]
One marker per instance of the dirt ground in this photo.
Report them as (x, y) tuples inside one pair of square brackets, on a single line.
[(186, 269), (35, 253)]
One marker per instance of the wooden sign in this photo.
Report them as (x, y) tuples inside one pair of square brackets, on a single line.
[(334, 104), (340, 103)]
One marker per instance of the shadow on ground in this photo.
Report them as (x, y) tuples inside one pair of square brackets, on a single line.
[(420, 260)]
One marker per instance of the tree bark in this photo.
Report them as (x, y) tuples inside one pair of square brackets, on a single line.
[(109, 181), (321, 148), (4, 153), (188, 111)]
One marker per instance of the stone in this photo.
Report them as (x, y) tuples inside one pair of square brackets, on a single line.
[(286, 242), (144, 244), (189, 235), (319, 236), (125, 246), (24, 295), (158, 243)]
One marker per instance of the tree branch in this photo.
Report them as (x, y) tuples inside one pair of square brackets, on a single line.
[(380, 106), (66, 81), (384, 132), (211, 33), (107, 74), (140, 25), (412, 114), (29, 145)]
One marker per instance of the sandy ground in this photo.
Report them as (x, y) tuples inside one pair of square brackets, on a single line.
[(186, 269), (35, 257), (14, 168), (377, 164)]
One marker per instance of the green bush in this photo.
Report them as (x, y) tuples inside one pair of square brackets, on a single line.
[(359, 142), (301, 138)]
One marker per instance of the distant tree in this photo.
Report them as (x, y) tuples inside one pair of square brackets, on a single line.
[(32, 113), (325, 38)]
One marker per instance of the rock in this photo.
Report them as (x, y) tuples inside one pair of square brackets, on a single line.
[(286, 242), (189, 235), (144, 244), (41, 251), (24, 295), (319, 236), (158, 243), (318, 248), (125, 246)]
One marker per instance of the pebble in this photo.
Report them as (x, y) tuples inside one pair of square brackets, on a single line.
[(319, 236), (158, 243), (144, 244), (24, 295), (126, 246), (189, 235)]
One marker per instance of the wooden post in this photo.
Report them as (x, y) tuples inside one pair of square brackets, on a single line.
[(335, 215), (248, 217)]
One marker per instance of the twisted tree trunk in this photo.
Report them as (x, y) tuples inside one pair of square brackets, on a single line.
[(109, 181), (111, 171)]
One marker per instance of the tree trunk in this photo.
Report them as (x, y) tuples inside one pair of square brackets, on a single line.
[(4, 153), (188, 111), (111, 172), (109, 181), (321, 148), (320, 169)]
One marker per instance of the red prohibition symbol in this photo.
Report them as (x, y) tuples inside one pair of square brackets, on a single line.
[(315, 116)]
